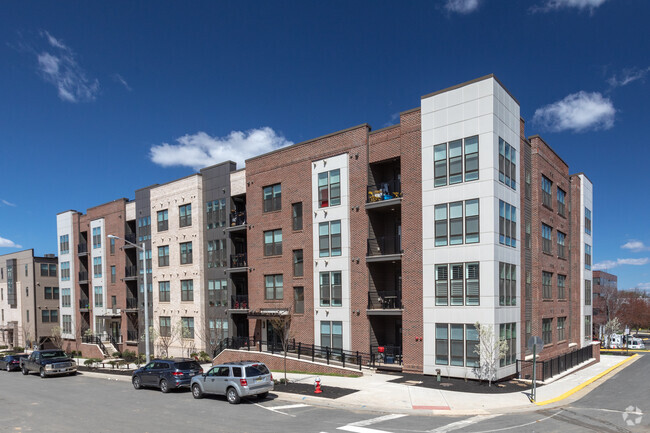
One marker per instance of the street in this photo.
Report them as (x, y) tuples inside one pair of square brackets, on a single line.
[(82, 404)]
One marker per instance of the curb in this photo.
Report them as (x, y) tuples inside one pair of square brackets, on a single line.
[(588, 382)]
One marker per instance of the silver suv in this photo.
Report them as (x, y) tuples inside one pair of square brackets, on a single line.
[(234, 380)]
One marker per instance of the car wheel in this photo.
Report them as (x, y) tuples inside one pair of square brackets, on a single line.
[(42, 373), (74, 373), (164, 387), (196, 391), (25, 372), (137, 384), (8, 367), (263, 395), (232, 396)]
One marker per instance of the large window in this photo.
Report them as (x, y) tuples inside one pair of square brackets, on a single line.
[(51, 293), (450, 230), (66, 298), (547, 233), (273, 242), (587, 292), (587, 256), (187, 290), (186, 253), (215, 214), (547, 290), (456, 345), (547, 331), (587, 221), (440, 217), (217, 293), (561, 240), (448, 161), (51, 316), (329, 239), (458, 284), (561, 201), (547, 187), (507, 284), (296, 215), (187, 327), (561, 324), (217, 253), (97, 267), (442, 284), (163, 291), (113, 274), (507, 164), (99, 296), (471, 221), (65, 271), (456, 223), (329, 188), (273, 287), (508, 333), (64, 244), (163, 220), (66, 320), (163, 256), (165, 326), (97, 237), (507, 224), (272, 196), (185, 215), (299, 300), (144, 228), (331, 334), (297, 263), (588, 330), (561, 286), (330, 289)]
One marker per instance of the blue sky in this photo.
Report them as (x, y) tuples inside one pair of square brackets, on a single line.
[(98, 99)]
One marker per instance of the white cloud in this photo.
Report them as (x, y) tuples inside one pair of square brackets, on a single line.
[(643, 286), (462, 6), (636, 246), (6, 243), (5, 202), (394, 119), (609, 264), (201, 150), (577, 112), (550, 5), (628, 76), (59, 67), (122, 81)]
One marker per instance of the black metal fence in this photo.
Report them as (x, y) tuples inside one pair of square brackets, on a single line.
[(554, 366)]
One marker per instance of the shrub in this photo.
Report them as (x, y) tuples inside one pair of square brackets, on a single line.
[(3, 347), (194, 355), (128, 356), (90, 362), (113, 363), (18, 349), (116, 355), (204, 357)]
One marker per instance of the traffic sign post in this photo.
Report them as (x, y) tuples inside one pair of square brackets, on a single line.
[(533, 344)]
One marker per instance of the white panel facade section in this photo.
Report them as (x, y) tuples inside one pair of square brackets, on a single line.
[(238, 182), (64, 226), (97, 281), (328, 264), (586, 202), (130, 211), (485, 109)]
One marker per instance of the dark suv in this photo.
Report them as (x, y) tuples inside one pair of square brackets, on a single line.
[(167, 374), (12, 362)]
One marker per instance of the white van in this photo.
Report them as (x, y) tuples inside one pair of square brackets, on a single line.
[(635, 343)]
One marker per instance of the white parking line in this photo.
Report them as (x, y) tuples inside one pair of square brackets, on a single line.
[(463, 423), (276, 409), (290, 406), (360, 426)]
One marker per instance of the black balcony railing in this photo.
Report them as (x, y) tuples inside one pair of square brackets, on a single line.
[(84, 304), (130, 271), (131, 303), (387, 354), (131, 335), (239, 302), (384, 191), (384, 245), (83, 276), (238, 260), (130, 237), (82, 248), (237, 219), (384, 300)]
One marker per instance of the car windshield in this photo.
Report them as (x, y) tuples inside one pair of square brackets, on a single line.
[(55, 354), (188, 365), (256, 370)]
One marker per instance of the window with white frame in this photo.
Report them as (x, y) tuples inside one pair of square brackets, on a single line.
[(97, 237), (507, 164), (329, 239), (507, 224), (329, 188), (330, 289), (65, 271), (64, 244), (66, 321), (97, 267), (66, 298)]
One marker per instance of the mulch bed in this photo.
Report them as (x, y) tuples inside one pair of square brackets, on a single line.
[(119, 372), (460, 385), (307, 389)]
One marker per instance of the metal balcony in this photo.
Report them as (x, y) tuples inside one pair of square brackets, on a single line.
[(384, 248)]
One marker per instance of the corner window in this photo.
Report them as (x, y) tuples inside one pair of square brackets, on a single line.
[(507, 164), (507, 224), (272, 196), (329, 188), (587, 221)]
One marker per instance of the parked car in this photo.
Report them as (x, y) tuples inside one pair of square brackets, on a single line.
[(234, 380), (166, 374), (635, 343), (48, 363), (12, 362)]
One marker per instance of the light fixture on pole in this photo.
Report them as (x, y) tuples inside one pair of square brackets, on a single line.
[(146, 294)]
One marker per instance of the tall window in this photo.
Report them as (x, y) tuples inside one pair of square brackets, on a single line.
[(97, 237), (330, 289), (587, 221), (561, 238), (471, 346), (217, 292), (64, 244), (507, 284), (448, 161), (507, 164), (547, 331), (528, 184), (296, 214), (561, 201), (99, 296), (529, 240), (587, 256), (456, 223), (163, 256), (165, 326), (440, 216), (272, 196), (587, 292), (471, 221), (66, 300), (442, 344), (144, 228), (217, 253), (113, 275), (215, 214), (163, 220), (472, 285), (547, 232), (471, 158), (187, 290), (442, 284), (588, 330), (561, 321), (187, 327), (329, 239), (440, 164), (185, 215), (455, 162), (274, 287), (508, 333), (112, 246), (457, 345), (66, 320), (331, 334), (163, 291), (547, 290), (52, 270), (507, 224), (47, 293), (273, 242), (329, 188), (457, 289), (561, 286), (97, 267), (65, 271), (297, 263), (186, 253), (299, 300), (546, 192)]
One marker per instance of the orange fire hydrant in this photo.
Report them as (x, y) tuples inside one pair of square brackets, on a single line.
[(318, 390)]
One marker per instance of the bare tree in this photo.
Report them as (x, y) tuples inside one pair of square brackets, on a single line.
[(211, 336), (184, 334), (281, 324), (490, 351), (611, 327), (56, 337)]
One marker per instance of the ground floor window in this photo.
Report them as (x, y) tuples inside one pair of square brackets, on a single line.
[(456, 345), (588, 330), (66, 319), (508, 332), (331, 334)]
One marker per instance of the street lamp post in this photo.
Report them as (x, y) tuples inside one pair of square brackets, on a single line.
[(146, 294)]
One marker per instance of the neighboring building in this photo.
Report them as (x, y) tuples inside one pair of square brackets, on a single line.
[(605, 292), (29, 299)]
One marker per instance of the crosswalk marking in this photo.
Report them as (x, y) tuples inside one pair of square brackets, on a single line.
[(277, 409), (463, 423), (360, 426)]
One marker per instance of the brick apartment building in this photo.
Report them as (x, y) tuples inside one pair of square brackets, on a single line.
[(29, 299), (401, 238)]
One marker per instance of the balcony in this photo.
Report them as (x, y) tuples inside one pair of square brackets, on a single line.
[(239, 302), (384, 302), (130, 272), (84, 304), (82, 249), (384, 194), (131, 335), (238, 263), (83, 277), (384, 248), (131, 303), (237, 221), (131, 238)]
